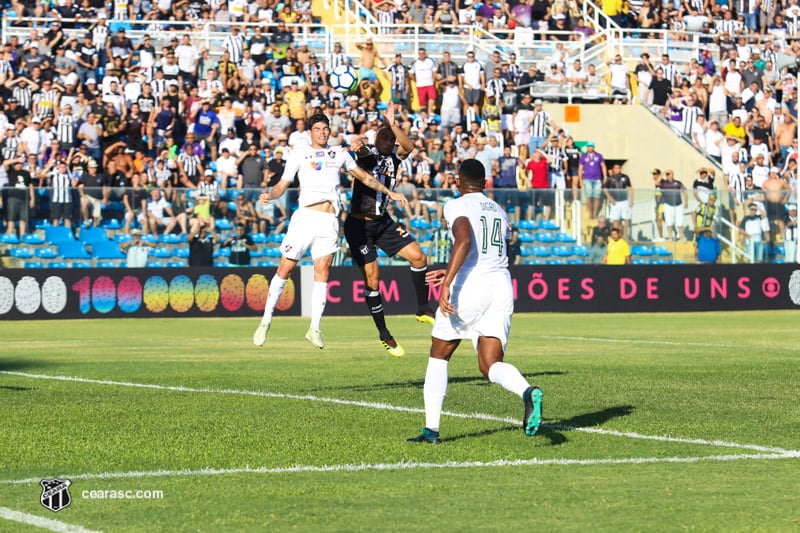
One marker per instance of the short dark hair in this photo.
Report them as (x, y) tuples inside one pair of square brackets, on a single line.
[(472, 171), (318, 117)]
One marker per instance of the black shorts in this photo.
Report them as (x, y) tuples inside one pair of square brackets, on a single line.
[(775, 211), (365, 237), (61, 210)]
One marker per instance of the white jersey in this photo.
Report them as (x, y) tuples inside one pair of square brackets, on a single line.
[(318, 172), (490, 231)]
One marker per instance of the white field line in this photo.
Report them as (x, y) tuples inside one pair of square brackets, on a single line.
[(664, 343), (396, 408), (39, 521), (410, 465)]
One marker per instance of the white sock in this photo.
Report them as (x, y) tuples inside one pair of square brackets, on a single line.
[(434, 392), (319, 297), (275, 290), (508, 377)]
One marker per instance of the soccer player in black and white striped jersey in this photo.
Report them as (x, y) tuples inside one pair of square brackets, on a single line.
[(61, 183)]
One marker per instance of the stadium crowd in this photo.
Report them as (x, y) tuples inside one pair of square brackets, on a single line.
[(172, 134)]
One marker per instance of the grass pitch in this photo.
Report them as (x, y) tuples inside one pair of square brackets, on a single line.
[(652, 422)]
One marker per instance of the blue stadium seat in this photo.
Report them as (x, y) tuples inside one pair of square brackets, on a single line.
[(122, 237), (556, 262), (81, 264), (91, 235), (525, 237), (543, 236), (221, 264), (580, 251), (107, 250), (34, 264), (580, 261), (9, 238), (176, 264), (662, 251), (154, 264), (107, 264), (267, 263), (182, 253), (565, 237), (161, 253), (58, 234), (641, 251), (45, 253), (541, 251), (21, 253), (561, 251), (72, 250), (527, 224), (57, 264), (111, 223), (32, 238), (258, 238)]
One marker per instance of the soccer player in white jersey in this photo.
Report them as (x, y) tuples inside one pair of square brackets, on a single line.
[(315, 224), (476, 302)]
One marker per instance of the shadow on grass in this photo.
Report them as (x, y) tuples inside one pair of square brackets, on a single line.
[(15, 389), (18, 365), (474, 379), (554, 431)]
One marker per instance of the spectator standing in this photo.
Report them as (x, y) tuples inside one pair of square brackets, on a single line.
[(241, 245), (61, 182), (201, 244), (707, 248), (136, 249), (618, 190), (598, 250), (790, 234), (618, 252), (422, 71), (755, 230), (506, 185), (20, 196), (675, 199), (592, 173)]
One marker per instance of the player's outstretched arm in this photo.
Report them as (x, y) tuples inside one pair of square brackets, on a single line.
[(406, 144), (274, 193), (370, 181)]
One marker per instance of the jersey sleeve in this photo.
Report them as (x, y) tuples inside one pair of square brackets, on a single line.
[(453, 210), (292, 167), (349, 163)]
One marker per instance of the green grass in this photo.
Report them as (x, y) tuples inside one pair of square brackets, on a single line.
[(729, 377)]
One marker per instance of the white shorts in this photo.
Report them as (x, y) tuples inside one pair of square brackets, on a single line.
[(484, 306), (311, 229), (620, 210), (673, 215)]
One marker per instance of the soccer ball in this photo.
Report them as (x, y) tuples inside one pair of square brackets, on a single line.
[(343, 79)]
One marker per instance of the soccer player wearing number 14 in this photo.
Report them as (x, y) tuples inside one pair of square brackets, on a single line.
[(476, 302)]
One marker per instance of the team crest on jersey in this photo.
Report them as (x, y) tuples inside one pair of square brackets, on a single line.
[(364, 249), (55, 494), (332, 154), (287, 248)]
